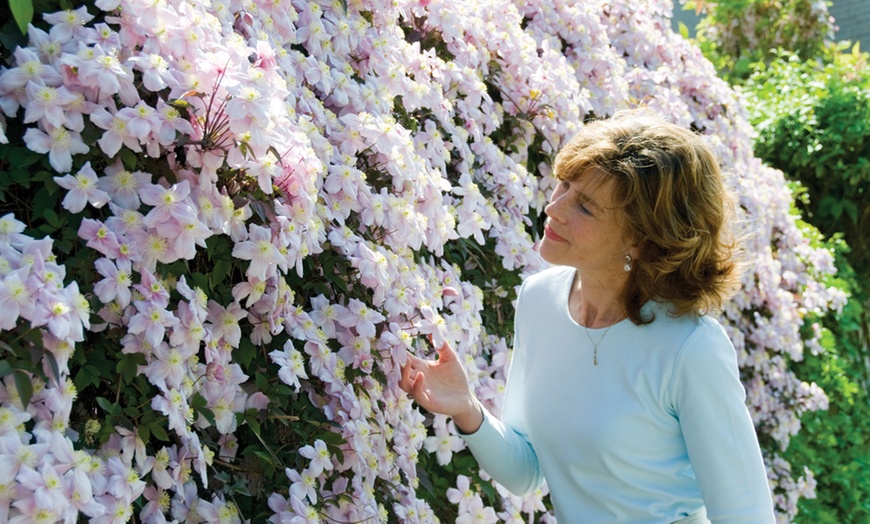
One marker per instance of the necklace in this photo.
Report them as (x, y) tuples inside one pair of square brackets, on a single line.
[(595, 344)]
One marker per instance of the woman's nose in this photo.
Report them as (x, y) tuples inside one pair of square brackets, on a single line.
[(553, 208)]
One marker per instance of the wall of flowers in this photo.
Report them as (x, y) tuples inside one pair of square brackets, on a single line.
[(226, 223)]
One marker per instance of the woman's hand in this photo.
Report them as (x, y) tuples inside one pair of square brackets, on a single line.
[(441, 386)]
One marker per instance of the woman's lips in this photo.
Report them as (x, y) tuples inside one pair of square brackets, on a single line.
[(549, 233)]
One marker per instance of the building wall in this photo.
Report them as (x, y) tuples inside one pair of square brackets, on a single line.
[(853, 21)]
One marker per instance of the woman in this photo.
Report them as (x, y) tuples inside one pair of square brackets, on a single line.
[(622, 393)]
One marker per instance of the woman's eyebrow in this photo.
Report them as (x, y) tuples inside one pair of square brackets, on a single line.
[(586, 199)]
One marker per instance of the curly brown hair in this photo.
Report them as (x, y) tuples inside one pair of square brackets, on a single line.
[(668, 183)]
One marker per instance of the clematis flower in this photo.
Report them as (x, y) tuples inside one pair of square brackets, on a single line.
[(123, 186), (223, 322), (29, 68), (15, 298), (116, 281), (291, 365), (319, 456), (69, 23), (46, 484), (170, 204), (48, 103), (118, 131), (151, 321), (258, 248), (10, 229), (60, 144), (361, 317), (82, 189), (99, 237), (302, 485)]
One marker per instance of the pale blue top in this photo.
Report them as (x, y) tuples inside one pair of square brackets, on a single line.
[(655, 432)]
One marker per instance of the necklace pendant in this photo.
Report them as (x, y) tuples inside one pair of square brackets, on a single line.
[(595, 357)]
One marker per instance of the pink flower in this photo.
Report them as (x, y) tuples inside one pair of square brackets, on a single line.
[(302, 485), (156, 74), (82, 190), (154, 511), (69, 23), (48, 103), (360, 316), (10, 230), (462, 494), (170, 204), (99, 237), (444, 445), (172, 123), (30, 511), (174, 405), (16, 299), (264, 255), (60, 144), (167, 368), (291, 367), (319, 456), (29, 69), (122, 185), (46, 484), (116, 281), (117, 133), (152, 289), (224, 322), (151, 321)]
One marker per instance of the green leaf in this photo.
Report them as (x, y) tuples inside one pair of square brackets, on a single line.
[(24, 385), (128, 365), (159, 431), (222, 269), (144, 433), (5, 368), (208, 414), (88, 375), (55, 369), (22, 11), (129, 158), (112, 409), (246, 352)]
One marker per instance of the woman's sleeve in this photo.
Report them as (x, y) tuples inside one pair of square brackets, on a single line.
[(720, 437), (502, 447)]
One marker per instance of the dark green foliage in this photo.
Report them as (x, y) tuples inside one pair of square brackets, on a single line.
[(813, 121)]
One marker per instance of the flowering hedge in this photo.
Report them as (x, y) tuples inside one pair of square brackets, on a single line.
[(225, 225)]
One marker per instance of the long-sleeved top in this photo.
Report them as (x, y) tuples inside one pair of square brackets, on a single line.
[(657, 431)]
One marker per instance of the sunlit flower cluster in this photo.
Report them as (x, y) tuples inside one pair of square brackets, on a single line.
[(381, 136)]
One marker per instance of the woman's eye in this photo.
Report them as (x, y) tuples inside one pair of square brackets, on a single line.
[(585, 210)]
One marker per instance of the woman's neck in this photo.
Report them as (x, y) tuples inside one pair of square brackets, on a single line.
[(594, 303)]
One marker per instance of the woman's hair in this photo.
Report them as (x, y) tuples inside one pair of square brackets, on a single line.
[(677, 209)]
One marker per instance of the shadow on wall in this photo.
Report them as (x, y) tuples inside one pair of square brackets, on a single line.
[(852, 19)]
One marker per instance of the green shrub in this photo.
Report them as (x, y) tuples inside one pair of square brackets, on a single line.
[(813, 123)]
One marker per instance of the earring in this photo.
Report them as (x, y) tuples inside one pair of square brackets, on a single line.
[(627, 266)]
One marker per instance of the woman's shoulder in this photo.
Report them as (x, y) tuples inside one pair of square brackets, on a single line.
[(558, 276), (681, 330), (549, 286)]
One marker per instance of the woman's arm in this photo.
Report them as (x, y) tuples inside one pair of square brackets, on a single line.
[(720, 437), (441, 386)]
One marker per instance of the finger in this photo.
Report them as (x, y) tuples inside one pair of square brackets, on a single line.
[(419, 389), (405, 379)]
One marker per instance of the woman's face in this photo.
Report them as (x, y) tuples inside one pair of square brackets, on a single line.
[(585, 229)]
